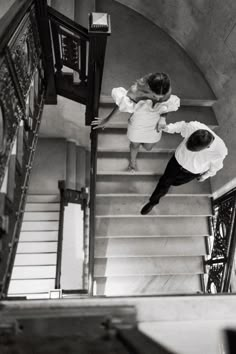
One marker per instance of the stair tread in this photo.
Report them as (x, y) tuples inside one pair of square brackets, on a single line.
[(41, 216), (31, 285), (36, 247), (34, 236), (145, 247), (40, 198), (147, 285), (147, 265), (117, 162), (39, 225), (145, 184), (33, 272), (118, 226), (131, 205)]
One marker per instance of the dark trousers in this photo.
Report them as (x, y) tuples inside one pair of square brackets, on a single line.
[(174, 175)]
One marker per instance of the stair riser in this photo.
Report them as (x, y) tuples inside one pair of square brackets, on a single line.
[(202, 114), (127, 205), (116, 140), (160, 246), (148, 226), (147, 266)]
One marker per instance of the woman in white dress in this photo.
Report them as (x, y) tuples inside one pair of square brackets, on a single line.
[(148, 100)]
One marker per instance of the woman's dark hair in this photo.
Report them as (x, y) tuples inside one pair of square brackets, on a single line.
[(200, 140), (159, 83)]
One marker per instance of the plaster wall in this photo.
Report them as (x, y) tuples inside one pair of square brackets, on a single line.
[(49, 166), (206, 29), (65, 7), (65, 120), (5, 6)]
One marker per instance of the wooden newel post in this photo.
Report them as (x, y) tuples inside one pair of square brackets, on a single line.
[(99, 28), (45, 38)]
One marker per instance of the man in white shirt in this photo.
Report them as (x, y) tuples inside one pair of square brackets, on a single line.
[(200, 155)]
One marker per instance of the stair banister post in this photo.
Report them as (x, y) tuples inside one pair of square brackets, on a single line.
[(97, 48), (44, 33)]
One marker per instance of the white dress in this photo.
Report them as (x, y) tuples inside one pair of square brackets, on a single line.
[(143, 121)]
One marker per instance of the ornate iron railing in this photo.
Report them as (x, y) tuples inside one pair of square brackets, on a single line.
[(223, 250), (22, 88)]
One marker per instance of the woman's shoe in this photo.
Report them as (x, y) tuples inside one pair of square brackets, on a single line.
[(132, 167)]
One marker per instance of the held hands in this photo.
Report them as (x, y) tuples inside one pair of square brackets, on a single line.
[(201, 178), (161, 126), (98, 123)]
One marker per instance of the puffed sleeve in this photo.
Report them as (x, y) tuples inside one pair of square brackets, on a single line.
[(173, 103), (119, 95)]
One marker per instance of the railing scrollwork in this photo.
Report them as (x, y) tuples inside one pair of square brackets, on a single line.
[(223, 249), (22, 89)]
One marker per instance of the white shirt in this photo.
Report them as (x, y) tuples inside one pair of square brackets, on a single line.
[(145, 116), (207, 161)]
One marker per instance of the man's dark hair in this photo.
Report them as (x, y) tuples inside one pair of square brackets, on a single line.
[(159, 83), (200, 140)]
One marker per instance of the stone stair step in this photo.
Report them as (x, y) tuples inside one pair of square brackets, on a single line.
[(144, 184), (31, 286), (39, 226), (170, 205), (41, 216), (39, 198), (202, 114), (34, 236), (116, 162), (35, 259), (149, 246), (148, 285), (33, 272), (42, 207), (37, 247), (151, 226), (104, 267), (116, 140)]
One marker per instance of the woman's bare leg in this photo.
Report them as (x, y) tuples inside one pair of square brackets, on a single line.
[(134, 148), (148, 146)]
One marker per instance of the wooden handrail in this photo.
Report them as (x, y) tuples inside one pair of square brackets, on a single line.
[(61, 186), (92, 204), (59, 18), (10, 21)]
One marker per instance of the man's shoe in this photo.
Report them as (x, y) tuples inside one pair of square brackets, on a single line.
[(147, 208)]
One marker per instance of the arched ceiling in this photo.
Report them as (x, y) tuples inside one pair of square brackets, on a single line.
[(206, 29)]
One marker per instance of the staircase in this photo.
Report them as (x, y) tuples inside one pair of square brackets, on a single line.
[(155, 254), (34, 268), (162, 252)]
